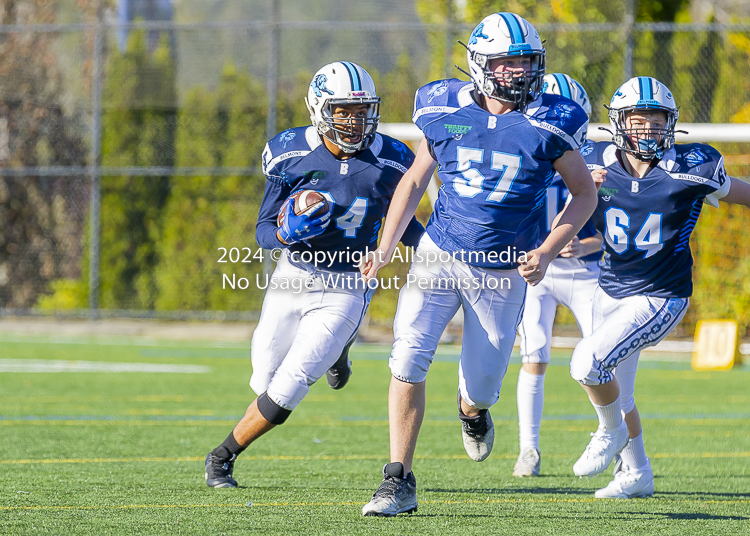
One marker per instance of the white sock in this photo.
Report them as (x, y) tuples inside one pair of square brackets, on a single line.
[(609, 416), (530, 396), (634, 453)]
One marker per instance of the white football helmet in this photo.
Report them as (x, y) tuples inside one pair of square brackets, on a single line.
[(563, 85), (343, 83), (506, 35), (647, 94)]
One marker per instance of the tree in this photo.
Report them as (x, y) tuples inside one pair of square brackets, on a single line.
[(203, 214), (138, 124), (40, 218)]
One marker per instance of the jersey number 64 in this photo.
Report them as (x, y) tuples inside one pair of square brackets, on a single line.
[(648, 237)]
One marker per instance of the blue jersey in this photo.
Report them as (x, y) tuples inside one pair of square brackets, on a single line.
[(647, 222), (495, 169), (557, 196), (359, 188)]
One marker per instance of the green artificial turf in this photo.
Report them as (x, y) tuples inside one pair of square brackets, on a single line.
[(122, 453)]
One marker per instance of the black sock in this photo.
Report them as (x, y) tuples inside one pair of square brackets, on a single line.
[(475, 418), (395, 469), (228, 448)]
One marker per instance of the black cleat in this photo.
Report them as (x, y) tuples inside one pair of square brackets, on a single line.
[(219, 472), (338, 375), (396, 495)]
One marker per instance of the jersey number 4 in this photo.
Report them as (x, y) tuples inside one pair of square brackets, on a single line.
[(647, 239), (353, 218), (471, 181)]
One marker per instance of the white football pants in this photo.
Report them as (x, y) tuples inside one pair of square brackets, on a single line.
[(491, 317), (303, 329), (571, 284), (622, 328)]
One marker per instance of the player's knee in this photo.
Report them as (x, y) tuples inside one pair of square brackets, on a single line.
[(583, 365), (480, 399), (271, 411), (483, 403), (580, 372), (259, 382), (409, 368)]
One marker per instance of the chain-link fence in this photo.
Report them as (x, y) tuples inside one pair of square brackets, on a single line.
[(129, 152)]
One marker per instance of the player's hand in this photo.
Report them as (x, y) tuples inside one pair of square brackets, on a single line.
[(297, 228), (572, 249), (372, 262), (535, 267), (599, 176)]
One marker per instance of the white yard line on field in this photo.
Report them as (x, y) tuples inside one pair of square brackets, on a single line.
[(49, 365)]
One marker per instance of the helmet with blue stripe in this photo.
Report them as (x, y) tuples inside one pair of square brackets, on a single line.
[(565, 86), (343, 83), (506, 35), (643, 94)]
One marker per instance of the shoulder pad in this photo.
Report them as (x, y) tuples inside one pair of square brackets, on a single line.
[(395, 151), (700, 163), (587, 148), (561, 116), (695, 156), (439, 98), (598, 153), (290, 144)]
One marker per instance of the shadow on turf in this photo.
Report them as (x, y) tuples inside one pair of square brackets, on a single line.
[(686, 516), (704, 495)]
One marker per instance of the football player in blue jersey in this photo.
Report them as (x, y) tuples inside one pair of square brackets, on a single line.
[(498, 141), (647, 209), (316, 298), (570, 280)]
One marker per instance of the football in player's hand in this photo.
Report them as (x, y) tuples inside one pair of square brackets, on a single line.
[(309, 202)]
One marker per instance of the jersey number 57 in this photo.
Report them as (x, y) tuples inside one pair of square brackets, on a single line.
[(471, 181)]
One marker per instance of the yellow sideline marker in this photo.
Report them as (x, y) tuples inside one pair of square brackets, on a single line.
[(715, 346)]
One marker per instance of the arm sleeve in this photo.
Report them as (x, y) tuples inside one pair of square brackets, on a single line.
[(713, 198), (721, 182), (265, 231), (413, 233)]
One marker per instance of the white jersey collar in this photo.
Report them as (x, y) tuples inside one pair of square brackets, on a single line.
[(667, 163), (313, 138), (609, 156), (534, 106), (464, 95), (377, 145)]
